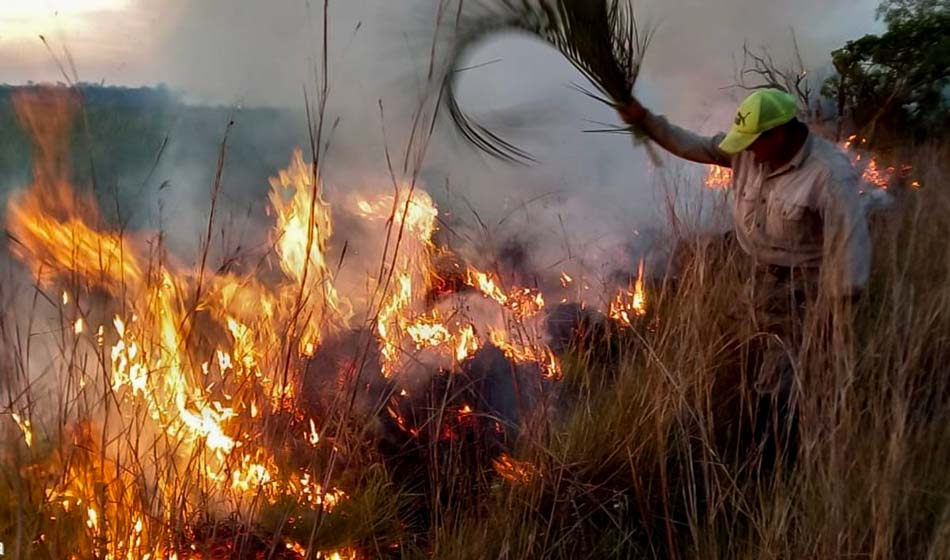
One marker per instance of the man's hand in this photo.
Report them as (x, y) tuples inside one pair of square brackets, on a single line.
[(633, 113)]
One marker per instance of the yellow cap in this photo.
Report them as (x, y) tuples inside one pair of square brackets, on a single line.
[(763, 110)]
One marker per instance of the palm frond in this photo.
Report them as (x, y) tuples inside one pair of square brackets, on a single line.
[(600, 38)]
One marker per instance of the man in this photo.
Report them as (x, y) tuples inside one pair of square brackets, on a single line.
[(797, 214)]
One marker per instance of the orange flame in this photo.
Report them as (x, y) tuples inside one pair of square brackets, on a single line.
[(205, 414), (523, 302), (200, 364), (25, 427), (873, 174), (515, 470), (412, 218), (467, 343), (628, 304), (303, 228), (718, 178), (539, 354)]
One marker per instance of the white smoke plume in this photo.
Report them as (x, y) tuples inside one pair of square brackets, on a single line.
[(594, 189)]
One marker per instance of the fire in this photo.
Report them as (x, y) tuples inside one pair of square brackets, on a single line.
[(515, 470), (411, 218), (718, 178), (250, 475), (303, 228), (412, 209), (344, 554), (631, 303), (522, 302), (314, 436), (872, 174), (204, 413), (25, 427), (467, 343), (487, 284), (538, 354), (196, 364), (429, 332)]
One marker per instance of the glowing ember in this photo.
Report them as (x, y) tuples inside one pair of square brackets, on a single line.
[(515, 470), (873, 176)]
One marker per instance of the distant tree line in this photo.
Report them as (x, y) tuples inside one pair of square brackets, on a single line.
[(126, 127), (99, 94)]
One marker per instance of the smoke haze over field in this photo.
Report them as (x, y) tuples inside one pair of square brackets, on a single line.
[(245, 52)]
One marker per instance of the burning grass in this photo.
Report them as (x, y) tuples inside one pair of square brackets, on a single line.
[(438, 410), (874, 174)]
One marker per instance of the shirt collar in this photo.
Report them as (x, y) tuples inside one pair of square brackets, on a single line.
[(799, 158)]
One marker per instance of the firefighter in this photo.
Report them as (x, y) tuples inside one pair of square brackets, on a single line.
[(797, 214)]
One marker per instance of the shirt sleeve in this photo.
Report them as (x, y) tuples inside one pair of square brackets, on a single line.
[(684, 143), (847, 240)]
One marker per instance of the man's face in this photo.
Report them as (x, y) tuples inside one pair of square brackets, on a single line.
[(768, 146)]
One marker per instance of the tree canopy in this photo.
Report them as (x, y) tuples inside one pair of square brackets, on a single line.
[(898, 82)]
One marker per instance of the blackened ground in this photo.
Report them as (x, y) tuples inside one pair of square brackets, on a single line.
[(439, 439), (232, 540)]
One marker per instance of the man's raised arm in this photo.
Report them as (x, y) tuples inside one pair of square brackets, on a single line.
[(678, 141)]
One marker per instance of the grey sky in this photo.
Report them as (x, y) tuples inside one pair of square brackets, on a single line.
[(257, 51)]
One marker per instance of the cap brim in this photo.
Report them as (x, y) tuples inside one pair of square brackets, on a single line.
[(736, 142)]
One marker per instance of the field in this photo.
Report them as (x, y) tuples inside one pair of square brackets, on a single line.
[(278, 404)]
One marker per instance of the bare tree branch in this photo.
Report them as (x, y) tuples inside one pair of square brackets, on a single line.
[(760, 71)]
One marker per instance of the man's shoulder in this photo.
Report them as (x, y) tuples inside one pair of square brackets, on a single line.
[(830, 160)]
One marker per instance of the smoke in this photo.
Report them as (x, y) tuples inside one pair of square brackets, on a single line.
[(595, 189), (582, 208), (260, 53)]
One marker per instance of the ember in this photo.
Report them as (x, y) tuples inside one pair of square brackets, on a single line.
[(515, 470)]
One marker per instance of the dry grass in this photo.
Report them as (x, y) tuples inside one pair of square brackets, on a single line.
[(644, 466), (642, 457)]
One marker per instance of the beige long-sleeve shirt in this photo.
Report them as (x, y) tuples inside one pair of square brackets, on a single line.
[(807, 214)]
